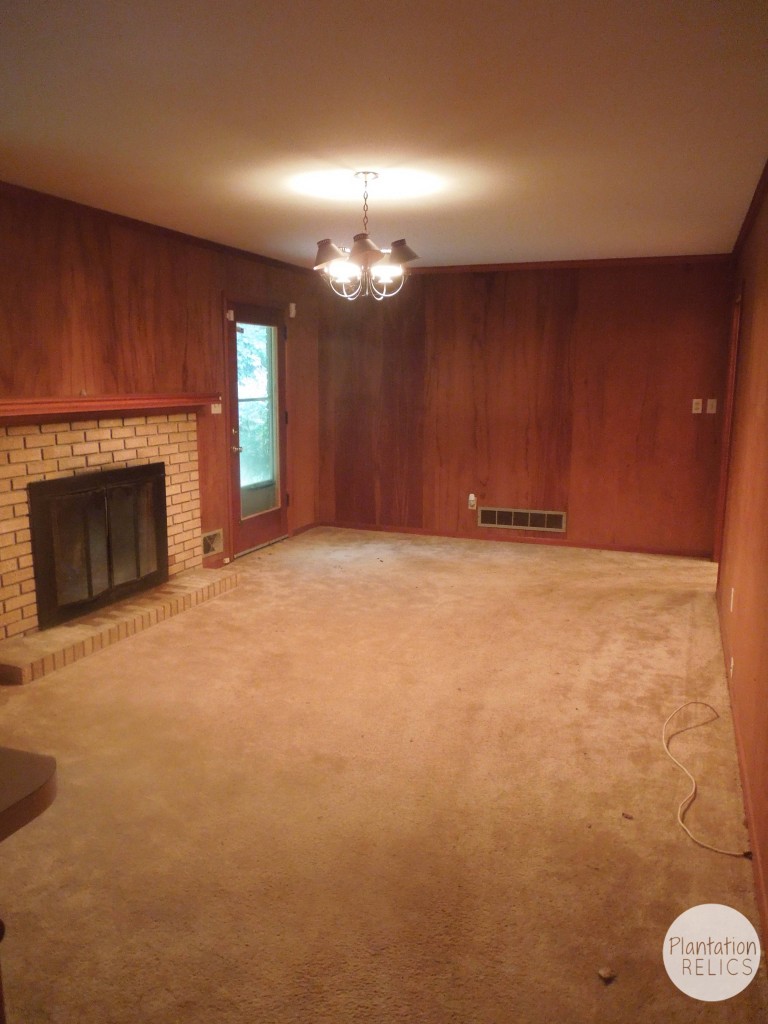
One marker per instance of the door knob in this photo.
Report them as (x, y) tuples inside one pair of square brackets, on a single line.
[(236, 448)]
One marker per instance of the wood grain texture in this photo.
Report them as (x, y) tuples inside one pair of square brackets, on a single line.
[(105, 307), (744, 565), (372, 368), (610, 262), (94, 304), (726, 434), (498, 394), (562, 388), (647, 342), (41, 410), (555, 388), (302, 401)]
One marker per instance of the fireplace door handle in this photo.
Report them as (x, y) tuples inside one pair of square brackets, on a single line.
[(236, 448)]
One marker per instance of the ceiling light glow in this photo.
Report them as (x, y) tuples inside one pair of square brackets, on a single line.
[(394, 184)]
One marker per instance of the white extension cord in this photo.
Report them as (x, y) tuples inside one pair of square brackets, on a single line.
[(686, 803)]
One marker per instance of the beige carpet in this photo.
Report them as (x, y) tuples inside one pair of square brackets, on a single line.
[(386, 779)]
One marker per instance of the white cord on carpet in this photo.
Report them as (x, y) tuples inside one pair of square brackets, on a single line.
[(686, 803)]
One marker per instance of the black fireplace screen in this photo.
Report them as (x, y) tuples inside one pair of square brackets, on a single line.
[(97, 538)]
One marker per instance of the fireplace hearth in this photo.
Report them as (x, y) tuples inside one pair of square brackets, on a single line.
[(96, 539)]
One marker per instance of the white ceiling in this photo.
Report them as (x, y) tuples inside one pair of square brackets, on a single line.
[(554, 129)]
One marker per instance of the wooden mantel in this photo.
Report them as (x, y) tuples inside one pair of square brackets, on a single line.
[(39, 410)]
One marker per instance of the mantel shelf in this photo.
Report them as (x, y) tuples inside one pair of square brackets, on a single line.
[(36, 410)]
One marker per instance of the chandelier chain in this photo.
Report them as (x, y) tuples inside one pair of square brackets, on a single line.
[(365, 206)]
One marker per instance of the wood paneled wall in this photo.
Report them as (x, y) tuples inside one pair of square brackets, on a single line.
[(559, 388), (744, 564), (96, 304)]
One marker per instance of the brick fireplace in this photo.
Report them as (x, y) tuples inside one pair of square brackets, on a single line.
[(46, 451)]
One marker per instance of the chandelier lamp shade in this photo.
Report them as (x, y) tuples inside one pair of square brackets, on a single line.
[(364, 269)]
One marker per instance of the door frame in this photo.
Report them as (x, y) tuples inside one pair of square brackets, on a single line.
[(265, 527)]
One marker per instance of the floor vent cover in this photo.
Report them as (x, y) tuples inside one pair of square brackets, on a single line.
[(522, 519), (213, 542)]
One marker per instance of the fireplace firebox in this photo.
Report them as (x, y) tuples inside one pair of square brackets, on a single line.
[(97, 538)]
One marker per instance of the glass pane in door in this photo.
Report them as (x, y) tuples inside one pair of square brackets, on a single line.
[(256, 391)]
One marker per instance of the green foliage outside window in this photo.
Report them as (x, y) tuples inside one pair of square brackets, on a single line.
[(254, 391)]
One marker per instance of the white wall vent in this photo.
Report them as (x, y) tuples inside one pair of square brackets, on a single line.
[(522, 519)]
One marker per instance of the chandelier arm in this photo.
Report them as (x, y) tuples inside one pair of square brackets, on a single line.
[(399, 287), (339, 288), (384, 292)]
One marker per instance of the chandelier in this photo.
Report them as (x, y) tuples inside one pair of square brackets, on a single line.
[(364, 269)]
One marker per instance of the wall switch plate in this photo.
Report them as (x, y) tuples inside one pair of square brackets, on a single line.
[(472, 501), (216, 409), (696, 405), (711, 406)]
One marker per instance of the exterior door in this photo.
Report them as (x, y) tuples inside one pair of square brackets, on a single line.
[(256, 362)]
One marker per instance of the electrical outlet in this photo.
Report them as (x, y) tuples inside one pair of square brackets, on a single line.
[(696, 405), (472, 501)]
